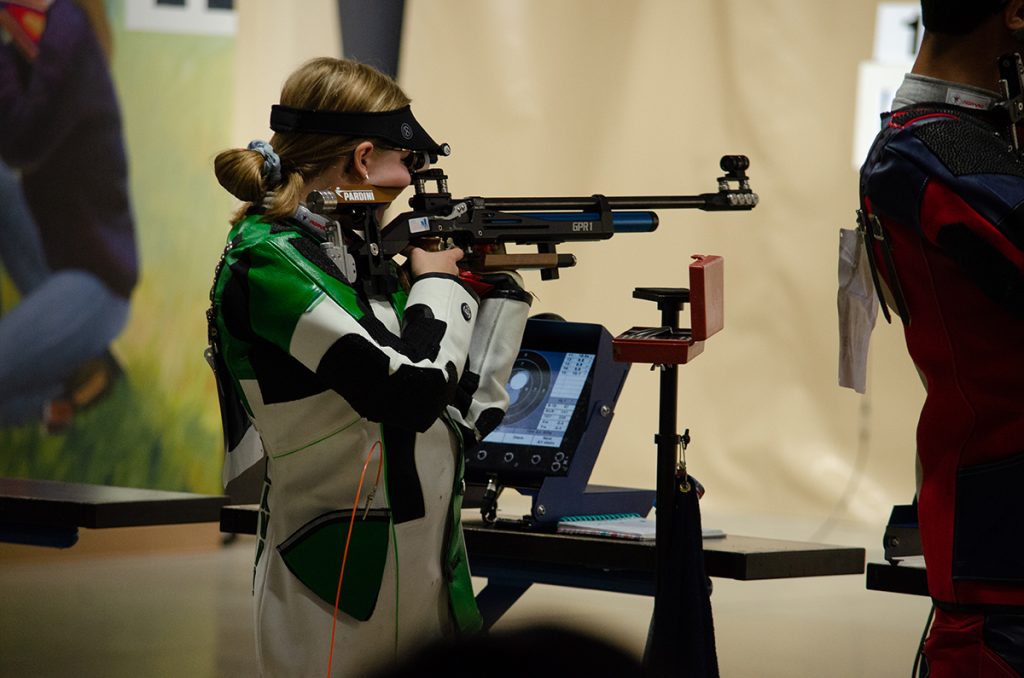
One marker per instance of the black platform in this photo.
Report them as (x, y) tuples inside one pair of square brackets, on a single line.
[(49, 513), (903, 578)]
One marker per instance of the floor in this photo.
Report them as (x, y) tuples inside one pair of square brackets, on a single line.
[(187, 614)]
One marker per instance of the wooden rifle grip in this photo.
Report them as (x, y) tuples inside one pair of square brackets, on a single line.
[(507, 262)]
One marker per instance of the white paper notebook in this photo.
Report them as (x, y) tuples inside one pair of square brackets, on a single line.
[(620, 526)]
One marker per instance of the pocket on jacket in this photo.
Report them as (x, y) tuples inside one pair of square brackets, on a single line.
[(988, 536), (314, 555)]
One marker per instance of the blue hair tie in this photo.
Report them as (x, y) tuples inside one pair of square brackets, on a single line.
[(271, 162)]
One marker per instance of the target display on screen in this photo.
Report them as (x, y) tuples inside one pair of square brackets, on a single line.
[(544, 389), (562, 391), (527, 385), (548, 403)]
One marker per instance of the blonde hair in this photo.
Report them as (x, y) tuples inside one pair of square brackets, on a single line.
[(323, 84)]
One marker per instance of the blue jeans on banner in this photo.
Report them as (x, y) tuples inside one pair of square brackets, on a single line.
[(64, 318), (21, 249)]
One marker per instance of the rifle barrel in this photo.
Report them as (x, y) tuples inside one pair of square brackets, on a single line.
[(653, 202)]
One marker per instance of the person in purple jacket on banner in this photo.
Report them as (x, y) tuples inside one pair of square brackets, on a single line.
[(67, 237)]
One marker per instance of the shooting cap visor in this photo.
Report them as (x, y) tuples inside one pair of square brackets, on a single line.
[(398, 127)]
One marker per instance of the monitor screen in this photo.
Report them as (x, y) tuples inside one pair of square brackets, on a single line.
[(548, 394)]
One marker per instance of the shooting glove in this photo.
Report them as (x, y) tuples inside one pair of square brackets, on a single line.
[(480, 399)]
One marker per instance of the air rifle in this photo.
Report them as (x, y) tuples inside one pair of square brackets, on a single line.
[(482, 226)]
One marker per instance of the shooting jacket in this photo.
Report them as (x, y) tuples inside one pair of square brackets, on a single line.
[(332, 379), (949, 195)]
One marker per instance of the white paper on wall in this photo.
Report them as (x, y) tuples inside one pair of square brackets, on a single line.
[(198, 17), (898, 32)]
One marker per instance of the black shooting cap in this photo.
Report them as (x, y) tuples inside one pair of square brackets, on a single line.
[(397, 127)]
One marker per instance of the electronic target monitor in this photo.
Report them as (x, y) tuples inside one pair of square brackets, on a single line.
[(559, 382)]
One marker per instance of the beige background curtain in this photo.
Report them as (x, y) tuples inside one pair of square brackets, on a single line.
[(575, 97)]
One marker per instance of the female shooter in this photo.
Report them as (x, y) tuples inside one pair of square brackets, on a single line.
[(361, 402)]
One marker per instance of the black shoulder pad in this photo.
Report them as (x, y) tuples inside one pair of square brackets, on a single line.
[(966, 146)]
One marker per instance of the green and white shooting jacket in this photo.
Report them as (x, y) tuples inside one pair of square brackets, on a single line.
[(332, 380)]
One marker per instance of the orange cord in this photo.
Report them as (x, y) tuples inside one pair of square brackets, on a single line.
[(348, 539)]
